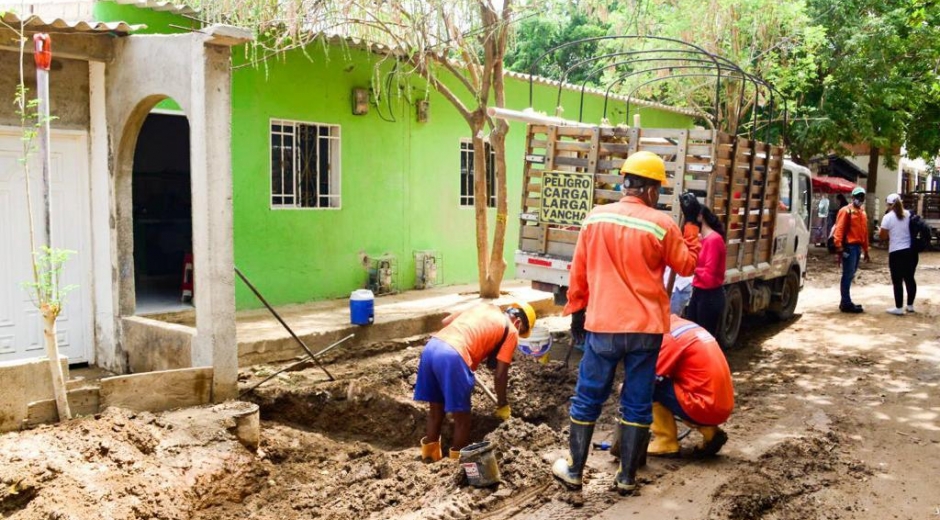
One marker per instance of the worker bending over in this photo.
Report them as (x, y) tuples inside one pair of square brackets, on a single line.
[(616, 295), (693, 383), (445, 372)]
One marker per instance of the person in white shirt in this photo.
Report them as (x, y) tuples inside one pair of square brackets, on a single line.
[(681, 292), (902, 258), (822, 213)]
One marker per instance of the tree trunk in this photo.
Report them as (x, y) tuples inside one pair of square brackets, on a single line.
[(873, 157), (49, 316), (480, 205)]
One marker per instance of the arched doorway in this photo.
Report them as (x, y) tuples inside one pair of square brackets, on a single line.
[(162, 212)]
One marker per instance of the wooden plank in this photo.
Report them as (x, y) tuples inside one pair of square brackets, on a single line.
[(533, 188), (158, 391), (615, 149), (532, 202), (573, 146), (696, 185), (576, 162), (82, 401), (679, 180)]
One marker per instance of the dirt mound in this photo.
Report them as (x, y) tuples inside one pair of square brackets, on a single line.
[(789, 481), (106, 466)]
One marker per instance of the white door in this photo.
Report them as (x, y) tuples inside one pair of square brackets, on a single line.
[(20, 324)]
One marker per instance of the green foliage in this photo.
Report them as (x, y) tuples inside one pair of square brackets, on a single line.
[(848, 71), (536, 35), (47, 291)]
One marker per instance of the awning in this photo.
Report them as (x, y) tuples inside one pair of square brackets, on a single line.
[(833, 185), (57, 25)]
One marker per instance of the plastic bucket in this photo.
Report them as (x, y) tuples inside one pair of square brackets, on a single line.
[(537, 344), (362, 307), (479, 464)]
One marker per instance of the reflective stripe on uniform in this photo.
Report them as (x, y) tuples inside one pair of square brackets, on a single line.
[(683, 329), (582, 423), (630, 222)]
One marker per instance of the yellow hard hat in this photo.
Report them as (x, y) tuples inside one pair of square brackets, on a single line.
[(645, 164), (529, 313)]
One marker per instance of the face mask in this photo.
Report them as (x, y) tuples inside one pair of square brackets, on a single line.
[(857, 203)]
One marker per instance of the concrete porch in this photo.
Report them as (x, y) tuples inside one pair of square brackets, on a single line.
[(261, 339)]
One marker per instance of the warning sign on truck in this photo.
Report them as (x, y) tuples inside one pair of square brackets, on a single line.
[(566, 197)]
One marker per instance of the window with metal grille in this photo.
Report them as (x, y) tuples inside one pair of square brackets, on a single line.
[(466, 173), (305, 169)]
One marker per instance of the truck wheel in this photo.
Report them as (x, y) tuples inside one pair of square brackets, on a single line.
[(730, 325), (783, 308)]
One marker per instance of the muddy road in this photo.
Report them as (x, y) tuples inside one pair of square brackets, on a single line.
[(836, 418)]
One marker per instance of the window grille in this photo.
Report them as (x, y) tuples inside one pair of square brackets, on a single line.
[(305, 166), (466, 173)]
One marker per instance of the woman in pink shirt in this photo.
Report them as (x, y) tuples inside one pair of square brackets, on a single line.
[(708, 296)]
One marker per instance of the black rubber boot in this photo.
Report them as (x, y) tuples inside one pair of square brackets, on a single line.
[(633, 444), (570, 469)]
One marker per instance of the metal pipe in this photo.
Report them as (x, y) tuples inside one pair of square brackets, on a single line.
[(292, 365), (531, 117), (289, 330)]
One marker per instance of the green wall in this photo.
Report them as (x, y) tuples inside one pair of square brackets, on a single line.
[(157, 22), (400, 181)]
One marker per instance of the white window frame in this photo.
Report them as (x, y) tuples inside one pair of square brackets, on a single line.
[(468, 201), (335, 160)]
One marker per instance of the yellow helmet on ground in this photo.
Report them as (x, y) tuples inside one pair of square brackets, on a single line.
[(526, 313), (645, 164)]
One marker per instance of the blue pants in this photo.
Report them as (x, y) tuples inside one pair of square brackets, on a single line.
[(850, 257), (602, 353), (665, 394), (444, 377)]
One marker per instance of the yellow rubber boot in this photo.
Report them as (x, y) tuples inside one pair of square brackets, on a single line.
[(665, 443), (454, 454), (713, 438), (430, 451)]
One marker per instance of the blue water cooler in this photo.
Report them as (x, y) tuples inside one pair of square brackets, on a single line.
[(362, 307)]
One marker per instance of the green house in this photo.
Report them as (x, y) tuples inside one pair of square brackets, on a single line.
[(355, 190)]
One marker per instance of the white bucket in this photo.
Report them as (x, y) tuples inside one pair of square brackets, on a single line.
[(537, 344)]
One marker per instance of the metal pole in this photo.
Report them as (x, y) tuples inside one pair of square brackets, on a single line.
[(42, 56), (42, 44), (289, 330)]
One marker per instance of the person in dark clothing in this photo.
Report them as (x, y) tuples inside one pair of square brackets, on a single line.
[(708, 294)]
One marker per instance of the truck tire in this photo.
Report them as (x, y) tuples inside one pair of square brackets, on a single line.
[(730, 325), (782, 308)]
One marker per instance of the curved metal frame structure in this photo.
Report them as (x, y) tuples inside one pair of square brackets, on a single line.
[(701, 58)]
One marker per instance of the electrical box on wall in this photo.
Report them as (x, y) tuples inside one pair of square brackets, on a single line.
[(428, 269), (360, 101), (383, 274), (421, 108)]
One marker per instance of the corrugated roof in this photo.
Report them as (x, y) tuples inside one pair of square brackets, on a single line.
[(58, 25), (157, 5), (617, 97)]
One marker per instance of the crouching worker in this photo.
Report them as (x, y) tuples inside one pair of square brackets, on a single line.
[(445, 372), (693, 383)]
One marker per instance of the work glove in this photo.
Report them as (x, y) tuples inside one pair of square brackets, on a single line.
[(577, 328), (503, 413), (691, 207)]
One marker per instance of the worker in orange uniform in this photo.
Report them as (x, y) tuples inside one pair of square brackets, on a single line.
[(445, 371), (693, 382), (850, 235), (616, 299)]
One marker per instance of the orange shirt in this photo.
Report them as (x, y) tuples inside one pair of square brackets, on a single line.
[(617, 271), (691, 357), (475, 332), (857, 221)]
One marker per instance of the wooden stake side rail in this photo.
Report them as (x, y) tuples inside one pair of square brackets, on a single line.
[(737, 178)]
